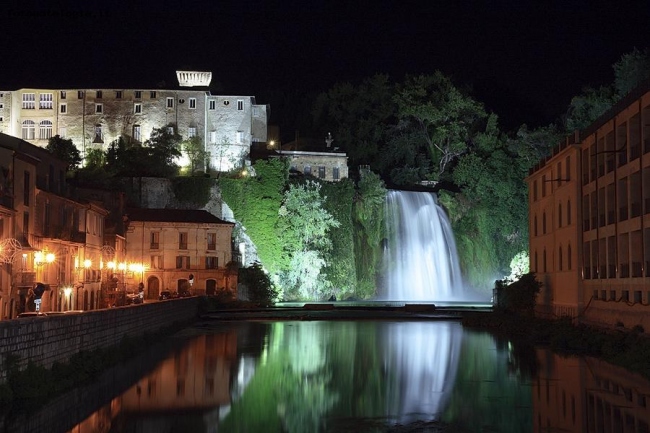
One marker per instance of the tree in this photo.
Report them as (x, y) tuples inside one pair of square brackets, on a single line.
[(65, 150), (437, 120), (260, 287), (585, 108), (357, 116), (631, 70), (195, 150), (162, 148), (304, 227)]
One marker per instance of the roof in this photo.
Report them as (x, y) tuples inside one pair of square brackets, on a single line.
[(174, 215)]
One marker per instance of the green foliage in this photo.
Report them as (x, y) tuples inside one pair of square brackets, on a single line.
[(585, 108), (340, 269), (304, 226), (193, 189), (438, 119), (255, 202), (357, 116), (631, 70), (195, 150), (518, 296), (259, 284), (65, 150), (368, 219)]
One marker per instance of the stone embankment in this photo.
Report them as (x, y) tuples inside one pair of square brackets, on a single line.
[(45, 340)]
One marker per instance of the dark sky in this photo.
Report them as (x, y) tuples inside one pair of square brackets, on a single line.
[(524, 59)]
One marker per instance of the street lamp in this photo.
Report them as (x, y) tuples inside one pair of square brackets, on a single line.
[(67, 291)]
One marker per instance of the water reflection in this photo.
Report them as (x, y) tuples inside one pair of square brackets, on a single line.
[(363, 376)]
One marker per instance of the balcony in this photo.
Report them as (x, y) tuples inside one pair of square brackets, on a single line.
[(154, 246), (25, 278)]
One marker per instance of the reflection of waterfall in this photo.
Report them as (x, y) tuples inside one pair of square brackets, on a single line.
[(421, 360), (420, 258)]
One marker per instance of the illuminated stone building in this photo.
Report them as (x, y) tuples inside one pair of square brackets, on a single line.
[(314, 158), (172, 244), (55, 240), (94, 117), (589, 216)]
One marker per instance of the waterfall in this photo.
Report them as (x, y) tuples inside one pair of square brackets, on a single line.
[(420, 262)]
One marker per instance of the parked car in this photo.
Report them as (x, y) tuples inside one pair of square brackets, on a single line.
[(167, 294), (32, 314)]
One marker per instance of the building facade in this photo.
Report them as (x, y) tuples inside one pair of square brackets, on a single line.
[(589, 214), (94, 118), (179, 250), (51, 243)]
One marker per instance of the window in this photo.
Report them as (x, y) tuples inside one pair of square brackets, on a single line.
[(212, 105), (99, 135), (63, 132), (154, 240), (256, 111), (307, 170), (213, 136), (321, 172), (26, 188), (239, 137), (182, 241), (29, 130), (45, 130), (136, 133), (137, 108), (559, 215), (80, 94), (2, 119), (170, 130), (240, 104), (45, 101), (63, 108), (137, 94), (211, 263), (212, 241), (192, 103), (335, 173), (152, 94), (62, 95), (170, 102), (29, 101), (2, 105), (99, 94), (191, 131), (99, 108), (156, 262), (182, 262), (25, 224), (118, 94)]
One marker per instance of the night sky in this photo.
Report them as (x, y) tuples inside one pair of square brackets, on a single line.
[(524, 59)]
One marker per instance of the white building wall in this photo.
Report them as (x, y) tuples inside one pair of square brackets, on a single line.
[(226, 124)]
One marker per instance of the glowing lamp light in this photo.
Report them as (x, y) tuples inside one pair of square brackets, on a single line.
[(87, 263), (49, 257), (122, 266), (38, 257), (110, 265), (67, 291)]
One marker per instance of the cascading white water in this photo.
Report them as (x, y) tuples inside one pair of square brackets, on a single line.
[(420, 261)]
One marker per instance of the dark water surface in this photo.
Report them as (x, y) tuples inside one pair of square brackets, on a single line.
[(349, 376)]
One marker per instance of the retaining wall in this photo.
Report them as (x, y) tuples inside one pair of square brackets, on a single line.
[(45, 340)]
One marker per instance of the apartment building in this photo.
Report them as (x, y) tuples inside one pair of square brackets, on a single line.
[(95, 117), (589, 215), (177, 249), (54, 241)]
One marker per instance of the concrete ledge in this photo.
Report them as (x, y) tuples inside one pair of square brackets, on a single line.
[(420, 308), (319, 307)]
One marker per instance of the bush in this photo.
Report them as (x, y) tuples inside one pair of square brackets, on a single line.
[(260, 287), (518, 296)]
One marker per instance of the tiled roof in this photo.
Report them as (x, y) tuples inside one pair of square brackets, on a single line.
[(173, 215)]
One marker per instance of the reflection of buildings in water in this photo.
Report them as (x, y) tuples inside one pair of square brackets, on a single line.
[(245, 372), (421, 361), (587, 395), (196, 378)]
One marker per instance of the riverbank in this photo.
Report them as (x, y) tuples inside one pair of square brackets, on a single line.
[(627, 348)]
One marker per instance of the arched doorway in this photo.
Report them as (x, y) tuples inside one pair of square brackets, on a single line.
[(153, 287), (85, 304), (92, 299), (210, 287)]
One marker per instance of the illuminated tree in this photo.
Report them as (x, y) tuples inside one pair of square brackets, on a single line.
[(304, 226), (195, 150)]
